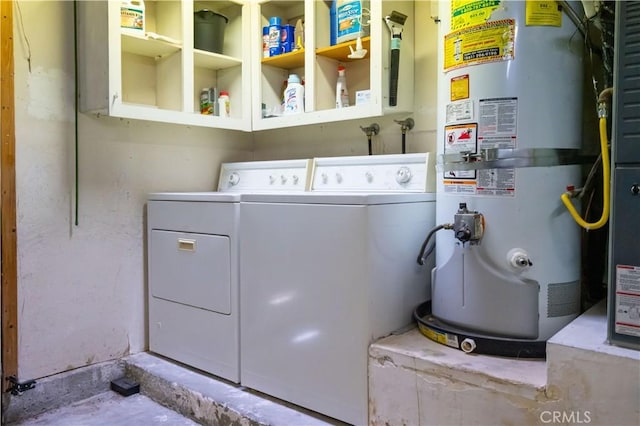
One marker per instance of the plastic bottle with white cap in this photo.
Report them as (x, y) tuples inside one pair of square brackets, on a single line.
[(293, 96), (224, 104)]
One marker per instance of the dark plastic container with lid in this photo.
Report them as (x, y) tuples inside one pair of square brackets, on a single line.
[(208, 30)]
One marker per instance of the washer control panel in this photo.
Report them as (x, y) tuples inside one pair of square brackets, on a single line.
[(385, 173), (265, 176)]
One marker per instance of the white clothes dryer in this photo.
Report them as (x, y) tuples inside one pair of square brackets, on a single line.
[(325, 273), (193, 264)]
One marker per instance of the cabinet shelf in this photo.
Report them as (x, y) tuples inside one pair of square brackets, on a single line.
[(214, 61), (149, 47), (287, 61), (341, 52)]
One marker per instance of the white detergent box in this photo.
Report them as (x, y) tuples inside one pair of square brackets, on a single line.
[(363, 97)]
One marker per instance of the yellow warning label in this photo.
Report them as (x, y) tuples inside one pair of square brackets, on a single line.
[(442, 338), (430, 333), (489, 42), (460, 87), (433, 335), (465, 13), (543, 13)]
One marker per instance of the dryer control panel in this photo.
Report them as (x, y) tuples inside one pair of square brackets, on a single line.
[(265, 176)]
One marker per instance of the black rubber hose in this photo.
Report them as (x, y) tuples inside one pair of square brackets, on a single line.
[(424, 253), (75, 124)]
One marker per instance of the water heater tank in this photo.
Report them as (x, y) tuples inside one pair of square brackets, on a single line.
[(509, 130)]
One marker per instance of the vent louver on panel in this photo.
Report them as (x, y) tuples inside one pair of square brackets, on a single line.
[(628, 84)]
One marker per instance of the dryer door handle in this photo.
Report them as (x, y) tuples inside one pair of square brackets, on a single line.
[(186, 244)]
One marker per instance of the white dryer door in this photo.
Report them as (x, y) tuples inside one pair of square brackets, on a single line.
[(192, 269)]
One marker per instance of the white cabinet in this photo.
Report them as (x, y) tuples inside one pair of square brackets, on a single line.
[(158, 75), (318, 61)]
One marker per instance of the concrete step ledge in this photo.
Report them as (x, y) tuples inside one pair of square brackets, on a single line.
[(61, 389), (208, 400), (436, 384), (589, 375), (584, 379)]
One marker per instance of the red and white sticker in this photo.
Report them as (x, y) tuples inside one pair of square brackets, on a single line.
[(460, 138), (627, 317)]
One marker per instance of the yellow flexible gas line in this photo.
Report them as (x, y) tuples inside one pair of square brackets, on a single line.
[(604, 148)]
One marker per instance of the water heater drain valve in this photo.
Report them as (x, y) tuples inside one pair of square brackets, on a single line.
[(519, 259), (468, 225)]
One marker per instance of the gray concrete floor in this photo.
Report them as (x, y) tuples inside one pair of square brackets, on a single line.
[(170, 391), (110, 409)]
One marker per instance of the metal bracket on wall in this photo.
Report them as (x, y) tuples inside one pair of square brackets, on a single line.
[(17, 387)]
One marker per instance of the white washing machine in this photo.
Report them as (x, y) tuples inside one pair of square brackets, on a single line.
[(193, 264), (325, 273)]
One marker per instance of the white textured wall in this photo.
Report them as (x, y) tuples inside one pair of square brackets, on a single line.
[(81, 288)]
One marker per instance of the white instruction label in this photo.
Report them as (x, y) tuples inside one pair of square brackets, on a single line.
[(496, 182), (452, 340), (459, 111), (497, 128), (497, 123), (627, 300)]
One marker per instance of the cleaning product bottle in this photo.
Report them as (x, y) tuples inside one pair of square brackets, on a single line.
[(225, 106), (265, 42), (348, 20), (132, 17), (293, 96), (333, 23), (299, 31), (206, 103), (283, 89), (287, 38), (342, 94), (274, 35)]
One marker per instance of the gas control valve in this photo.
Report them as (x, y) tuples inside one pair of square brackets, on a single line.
[(468, 225)]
